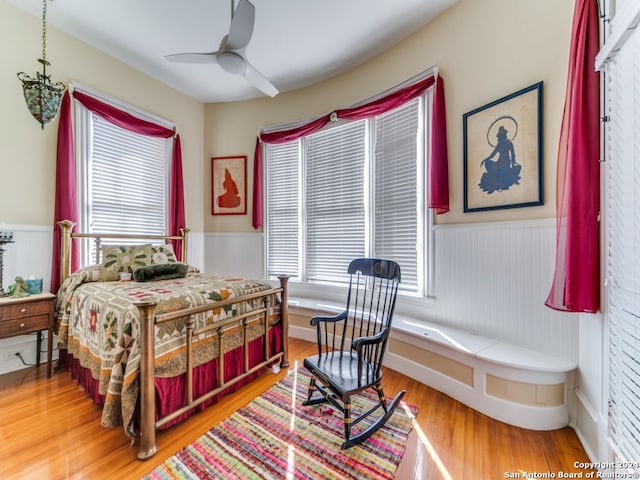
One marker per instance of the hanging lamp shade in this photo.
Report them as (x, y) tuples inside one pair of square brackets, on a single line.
[(42, 96)]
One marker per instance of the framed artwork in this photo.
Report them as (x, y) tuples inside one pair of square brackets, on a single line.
[(503, 155), (229, 185)]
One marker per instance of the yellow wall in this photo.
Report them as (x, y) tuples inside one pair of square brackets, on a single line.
[(485, 50), (27, 158)]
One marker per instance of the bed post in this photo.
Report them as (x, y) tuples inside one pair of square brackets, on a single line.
[(65, 248), (183, 244), (284, 306), (148, 446)]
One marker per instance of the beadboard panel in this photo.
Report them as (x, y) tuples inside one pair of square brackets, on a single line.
[(490, 279), (195, 250), (493, 279), (29, 255), (234, 254)]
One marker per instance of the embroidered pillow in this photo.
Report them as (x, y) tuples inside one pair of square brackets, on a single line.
[(161, 254), (123, 258)]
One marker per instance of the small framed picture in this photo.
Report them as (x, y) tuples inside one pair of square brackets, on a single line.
[(503, 152), (229, 185)]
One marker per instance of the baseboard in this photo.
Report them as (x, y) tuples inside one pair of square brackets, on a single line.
[(588, 427)]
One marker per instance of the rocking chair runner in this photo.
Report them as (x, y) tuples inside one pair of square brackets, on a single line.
[(352, 344)]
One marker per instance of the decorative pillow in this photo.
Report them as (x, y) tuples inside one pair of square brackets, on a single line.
[(123, 258), (91, 273), (161, 254), (163, 271)]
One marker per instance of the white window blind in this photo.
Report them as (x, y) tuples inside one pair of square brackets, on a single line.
[(283, 219), (122, 179), (353, 189), (623, 248), (396, 172), (335, 216)]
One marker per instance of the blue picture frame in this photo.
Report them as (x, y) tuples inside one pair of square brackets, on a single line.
[(503, 152)]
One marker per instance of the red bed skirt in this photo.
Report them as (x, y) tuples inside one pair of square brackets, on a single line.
[(170, 392)]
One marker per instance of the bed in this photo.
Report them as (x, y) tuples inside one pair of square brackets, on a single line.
[(156, 348)]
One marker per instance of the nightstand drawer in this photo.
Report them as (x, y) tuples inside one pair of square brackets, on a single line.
[(33, 313), (19, 326), (25, 309)]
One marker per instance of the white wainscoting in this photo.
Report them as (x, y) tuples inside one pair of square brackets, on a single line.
[(234, 254), (29, 255), (195, 250), (492, 279)]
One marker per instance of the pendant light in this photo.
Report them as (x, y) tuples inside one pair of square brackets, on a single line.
[(42, 96)]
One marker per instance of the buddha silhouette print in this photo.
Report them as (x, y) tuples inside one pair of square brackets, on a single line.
[(230, 197), (502, 171)]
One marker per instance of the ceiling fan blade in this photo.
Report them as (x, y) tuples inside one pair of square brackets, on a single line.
[(259, 81), (193, 57), (241, 27)]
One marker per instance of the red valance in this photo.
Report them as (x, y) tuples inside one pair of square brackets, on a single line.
[(121, 118), (438, 161)]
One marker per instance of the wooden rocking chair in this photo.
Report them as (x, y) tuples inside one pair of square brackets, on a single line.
[(351, 346)]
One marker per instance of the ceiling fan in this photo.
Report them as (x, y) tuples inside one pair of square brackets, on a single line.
[(230, 53)]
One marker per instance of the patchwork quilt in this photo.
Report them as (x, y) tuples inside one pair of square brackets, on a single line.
[(99, 325)]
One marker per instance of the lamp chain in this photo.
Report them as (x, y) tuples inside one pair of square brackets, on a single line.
[(44, 30)]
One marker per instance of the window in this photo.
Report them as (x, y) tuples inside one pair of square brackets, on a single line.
[(122, 179), (353, 189)]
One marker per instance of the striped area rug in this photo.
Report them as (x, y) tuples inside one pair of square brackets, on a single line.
[(275, 437)]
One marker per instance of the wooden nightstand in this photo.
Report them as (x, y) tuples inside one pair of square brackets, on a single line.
[(21, 315)]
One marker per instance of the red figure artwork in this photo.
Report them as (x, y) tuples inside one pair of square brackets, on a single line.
[(230, 197), (229, 185)]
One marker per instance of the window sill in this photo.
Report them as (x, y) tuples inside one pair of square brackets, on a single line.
[(331, 299)]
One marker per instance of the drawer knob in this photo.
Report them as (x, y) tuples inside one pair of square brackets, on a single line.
[(22, 310), (21, 325)]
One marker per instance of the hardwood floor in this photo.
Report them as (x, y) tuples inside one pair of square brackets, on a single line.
[(50, 430)]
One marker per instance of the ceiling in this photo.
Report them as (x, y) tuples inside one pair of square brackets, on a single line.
[(295, 43)]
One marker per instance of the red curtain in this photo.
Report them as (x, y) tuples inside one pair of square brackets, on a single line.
[(65, 175), (66, 207), (576, 283), (176, 198), (438, 162), (438, 167)]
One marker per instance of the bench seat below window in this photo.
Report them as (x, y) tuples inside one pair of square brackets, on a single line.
[(512, 384)]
